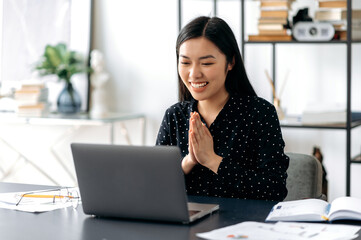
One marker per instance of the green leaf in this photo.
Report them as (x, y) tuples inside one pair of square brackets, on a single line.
[(52, 56), (60, 61), (61, 48)]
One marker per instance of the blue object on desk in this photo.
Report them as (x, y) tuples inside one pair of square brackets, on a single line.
[(69, 100)]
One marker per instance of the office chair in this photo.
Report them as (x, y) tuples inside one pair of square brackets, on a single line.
[(304, 177)]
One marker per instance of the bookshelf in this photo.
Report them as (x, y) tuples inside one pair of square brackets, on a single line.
[(349, 125)]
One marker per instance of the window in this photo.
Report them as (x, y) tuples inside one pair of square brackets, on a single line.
[(28, 26)]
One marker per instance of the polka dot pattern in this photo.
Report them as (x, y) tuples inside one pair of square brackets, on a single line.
[(247, 134)]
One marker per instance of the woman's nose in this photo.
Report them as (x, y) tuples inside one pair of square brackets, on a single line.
[(195, 72)]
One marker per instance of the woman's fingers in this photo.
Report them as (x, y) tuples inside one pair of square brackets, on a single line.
[(191, 128), (198, 125), (196, 136), (190, 147), (190, 122), (206, 130), (194, 141)]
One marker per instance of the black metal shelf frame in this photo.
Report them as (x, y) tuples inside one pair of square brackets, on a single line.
[(330, 127), (302, 42), (349, 124)]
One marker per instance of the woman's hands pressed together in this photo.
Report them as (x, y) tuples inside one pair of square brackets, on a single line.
[(200, 143)]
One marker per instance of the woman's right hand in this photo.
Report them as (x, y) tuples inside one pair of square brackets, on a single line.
[(190, 143), (190, 160)]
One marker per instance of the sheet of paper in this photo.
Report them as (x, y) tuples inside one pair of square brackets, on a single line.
[(318, 230), (282, 231), (35, 208), (40, 201)]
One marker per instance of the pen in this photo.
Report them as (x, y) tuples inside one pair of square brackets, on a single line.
[(45, 196)]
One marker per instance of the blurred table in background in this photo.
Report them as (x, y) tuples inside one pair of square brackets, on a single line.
[(73, 124)]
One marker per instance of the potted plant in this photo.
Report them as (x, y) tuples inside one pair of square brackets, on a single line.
[(64, 63)]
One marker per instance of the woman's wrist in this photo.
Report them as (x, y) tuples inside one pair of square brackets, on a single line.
[(214, 163), (187, 164)]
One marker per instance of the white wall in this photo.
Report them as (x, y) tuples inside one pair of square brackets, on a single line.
[(138, 41)]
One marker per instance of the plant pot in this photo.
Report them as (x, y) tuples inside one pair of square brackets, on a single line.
[(69, 101)]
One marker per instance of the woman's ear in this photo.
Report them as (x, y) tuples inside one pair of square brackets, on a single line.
[(231, 64)]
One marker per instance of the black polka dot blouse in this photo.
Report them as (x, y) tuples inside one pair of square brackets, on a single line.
[(247, 134)]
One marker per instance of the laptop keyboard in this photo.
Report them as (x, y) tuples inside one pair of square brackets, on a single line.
[(192, 212)]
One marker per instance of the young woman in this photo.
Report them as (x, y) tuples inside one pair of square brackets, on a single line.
[(230, 139)]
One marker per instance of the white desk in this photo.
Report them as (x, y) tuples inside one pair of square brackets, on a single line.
[(73, 123)]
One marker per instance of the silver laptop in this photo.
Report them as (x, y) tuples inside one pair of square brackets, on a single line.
[(134, 182)]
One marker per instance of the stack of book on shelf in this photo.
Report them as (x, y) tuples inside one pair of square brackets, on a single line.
[(32, 100), (332, 3), (335, 12), (273, 21), (325, 114)]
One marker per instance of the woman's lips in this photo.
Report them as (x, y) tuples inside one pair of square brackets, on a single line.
[(198, 86)]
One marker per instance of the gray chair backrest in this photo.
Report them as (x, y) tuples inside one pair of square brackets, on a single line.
[(304, 177)]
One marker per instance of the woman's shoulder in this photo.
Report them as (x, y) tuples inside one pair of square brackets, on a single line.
[(252, 101), (256, 108), (185, 106)]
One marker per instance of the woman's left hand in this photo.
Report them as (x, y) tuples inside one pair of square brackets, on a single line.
[(201, 142)]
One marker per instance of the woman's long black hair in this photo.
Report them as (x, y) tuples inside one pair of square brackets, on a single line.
[(219, 33)]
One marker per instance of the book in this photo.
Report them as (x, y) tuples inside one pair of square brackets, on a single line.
[(328, 117), (327, 113), (273, 32), (336, 15), (31, 96), (282, 21), (333, 4), (37, 110), (317, 210), (32, 86), (355, 14), (270, 38), (274, 14), (270, 26), (32, 99), (266, 4), (328, 15)]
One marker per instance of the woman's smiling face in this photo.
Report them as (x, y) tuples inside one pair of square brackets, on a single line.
[(203, 69)]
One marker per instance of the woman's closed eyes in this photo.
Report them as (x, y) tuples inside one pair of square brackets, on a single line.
[(204, 64), (208, 64)]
